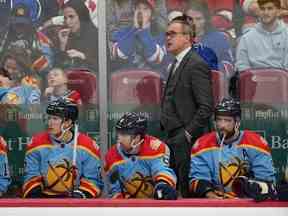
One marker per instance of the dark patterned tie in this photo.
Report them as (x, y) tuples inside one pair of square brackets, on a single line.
[(172, 67)]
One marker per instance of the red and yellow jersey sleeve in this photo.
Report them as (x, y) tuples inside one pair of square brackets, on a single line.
[(205, 143), (3, 146), (38, 141), (254, 141), (157, 154)]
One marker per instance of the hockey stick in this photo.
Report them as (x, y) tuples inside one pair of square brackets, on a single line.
[(220, 162), (75, 145), (74, 167)]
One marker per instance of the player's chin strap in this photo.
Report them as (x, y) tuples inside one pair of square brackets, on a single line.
[(74, 159), (223, 136)]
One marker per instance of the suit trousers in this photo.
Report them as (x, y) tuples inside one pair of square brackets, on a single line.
[(180, 151)]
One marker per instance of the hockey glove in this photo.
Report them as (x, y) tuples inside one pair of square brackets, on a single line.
[(163, 191), (35, 193), (258, 190), (283, 192)]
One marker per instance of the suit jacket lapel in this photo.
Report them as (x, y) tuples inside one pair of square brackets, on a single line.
[(180, 68), (177, 72)]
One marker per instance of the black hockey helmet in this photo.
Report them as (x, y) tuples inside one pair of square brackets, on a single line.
[(63, 108), (228, 107), (132, 123)]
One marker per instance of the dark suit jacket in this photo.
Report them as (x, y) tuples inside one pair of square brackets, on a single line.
[(192, 94)]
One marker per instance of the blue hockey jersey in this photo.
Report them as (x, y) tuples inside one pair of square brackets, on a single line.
[(134, 176), (49, 164), (249, 156)]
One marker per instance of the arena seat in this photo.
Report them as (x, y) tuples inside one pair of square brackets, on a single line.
[(219, 85), (138, 87), (269, 86), (85, 82)]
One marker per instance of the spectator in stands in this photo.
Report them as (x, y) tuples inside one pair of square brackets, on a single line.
[(39, 10), (59, 19), (251, 12), (78, 38), (4, 168), (229, 162), (20, 34), (121, 14), (140, 45), (17, 63), (266, 45), (22, 87), (17, 92), (207, 36), (250, 7), (58, 88), (4, 82)]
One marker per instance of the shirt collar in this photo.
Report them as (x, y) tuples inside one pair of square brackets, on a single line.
[(181, 55)]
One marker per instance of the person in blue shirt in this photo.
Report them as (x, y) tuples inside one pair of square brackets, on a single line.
[(16, 92), (209, 37), (141, 45)]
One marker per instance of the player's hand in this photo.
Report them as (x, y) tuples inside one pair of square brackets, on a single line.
[(138, 19), (63, 36), (213, 195), (49, 91), (164, 191), (146, 20)]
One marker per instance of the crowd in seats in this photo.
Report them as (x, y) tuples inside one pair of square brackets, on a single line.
[(141, 43), (48, 52), (221, 29)]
